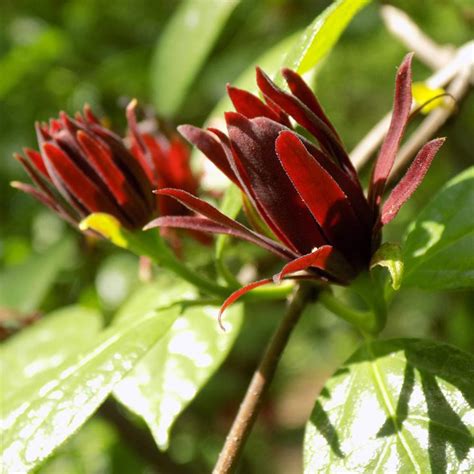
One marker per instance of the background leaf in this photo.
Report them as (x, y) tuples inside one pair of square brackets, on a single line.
[(438, 250), (53, 406), (183, 47), (396, 406), (23, 287), (41, 348), (172, 373), (323, 33)]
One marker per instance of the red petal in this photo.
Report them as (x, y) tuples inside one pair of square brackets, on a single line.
[(74, 181), (208, 145), (47, 199), (413, 177), (249, 105), (307, 119), (253, 141), (37, 161), (204, 208), (300, 89), (244, 181), (100, 158), (325, 199), (237, 294), (325, 258), (138, 141), (400, 115)]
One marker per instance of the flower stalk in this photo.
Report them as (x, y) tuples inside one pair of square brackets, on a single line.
[(261, 380)]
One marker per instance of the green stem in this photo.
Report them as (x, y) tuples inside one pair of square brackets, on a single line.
[(364, 320), (157, 249)]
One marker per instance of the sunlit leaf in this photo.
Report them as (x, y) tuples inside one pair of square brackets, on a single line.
[(23, 287), (438, 251), (174, 371), (322, 34), (41, 348), (53, 406), (395, 406), (183, 47)]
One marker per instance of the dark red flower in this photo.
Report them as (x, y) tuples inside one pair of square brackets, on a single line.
[(83, 167), (311, 209)]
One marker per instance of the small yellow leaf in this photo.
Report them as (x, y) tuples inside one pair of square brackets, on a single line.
[(107, 226), (422, 94)]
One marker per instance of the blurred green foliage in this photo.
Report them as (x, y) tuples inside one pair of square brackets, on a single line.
[(58, 55)]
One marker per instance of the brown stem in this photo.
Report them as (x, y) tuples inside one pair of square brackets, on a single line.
[(261, 379)]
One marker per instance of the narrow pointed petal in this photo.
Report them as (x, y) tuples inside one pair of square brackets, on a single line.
[(45, 199), (249, 105), (253, 141), (307, 119), (37, 160), (100, 158), (75, 182), (400, 115), (238, 294), (211, 147), (203, 224), (325, 258), (352, 189), (202, 207), (137, 139), (411, 180), (300, 89), (245, 183), (282, 116), (325, 199)]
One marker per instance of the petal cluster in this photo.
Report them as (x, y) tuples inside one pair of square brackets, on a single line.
[(302, 196), (83, 167)]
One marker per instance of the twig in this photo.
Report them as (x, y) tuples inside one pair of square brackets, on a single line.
[(262, 378), (462, 61), (401, 26), (432, 123)]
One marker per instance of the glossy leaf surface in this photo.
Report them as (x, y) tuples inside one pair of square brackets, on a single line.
[(52, 406), (395, 406), (172, 373), (322, 34), (438, 250), (39, 349)]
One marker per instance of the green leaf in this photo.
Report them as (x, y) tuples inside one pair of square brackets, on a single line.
[(183, 47), (322, 34), (174, 371), (231, 205), (389, 255), (41, 348), (53, 406), (23, 287), (438, 250), (395, 406)]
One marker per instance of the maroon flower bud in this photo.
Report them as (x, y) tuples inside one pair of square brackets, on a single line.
[(83, 167), (306, 193)]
